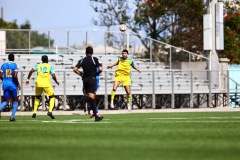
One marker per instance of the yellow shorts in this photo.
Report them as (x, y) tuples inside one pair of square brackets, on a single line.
[(48, 91), (125, 80)]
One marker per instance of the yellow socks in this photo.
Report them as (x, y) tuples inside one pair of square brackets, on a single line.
[(128, 98), (51, 105), (112, 96), (36, 104)]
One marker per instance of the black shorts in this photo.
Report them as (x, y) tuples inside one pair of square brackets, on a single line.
[(89, 84)]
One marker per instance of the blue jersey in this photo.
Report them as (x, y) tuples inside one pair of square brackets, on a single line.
[(8, 69), (97, 78)]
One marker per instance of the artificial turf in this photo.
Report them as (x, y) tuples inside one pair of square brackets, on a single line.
[(148, 136)]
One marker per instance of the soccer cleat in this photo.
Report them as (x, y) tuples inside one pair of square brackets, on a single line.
[(112, 106), (92, 115), (97, 119), (50, 115), (34, 115), (129, 107), (12, 119)]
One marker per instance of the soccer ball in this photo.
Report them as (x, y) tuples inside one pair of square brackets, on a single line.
[(122, 27)]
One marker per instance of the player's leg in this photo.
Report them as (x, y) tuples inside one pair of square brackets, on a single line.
[(85, 106), (97, 112), (127, 84), (90, 87), (14, 105), (127, 89), (6, 96), (97, 85), (117, 81), (49, 91), (38, 93)]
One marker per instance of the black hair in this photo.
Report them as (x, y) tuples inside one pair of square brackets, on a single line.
[(11, 57), (45, 59), (89, 50), (125, 51)]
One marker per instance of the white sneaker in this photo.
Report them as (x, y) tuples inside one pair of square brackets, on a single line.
[(129, 107), (112, 106)]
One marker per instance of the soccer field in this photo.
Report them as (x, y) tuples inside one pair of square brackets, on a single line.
[(145, 136)]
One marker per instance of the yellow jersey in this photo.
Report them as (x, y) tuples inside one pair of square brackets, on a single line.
[(44, 72), (124, 66)]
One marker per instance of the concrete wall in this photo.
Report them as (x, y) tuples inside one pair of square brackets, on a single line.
[(2, 42)]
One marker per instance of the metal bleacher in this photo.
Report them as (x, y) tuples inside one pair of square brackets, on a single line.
[(153, 79)]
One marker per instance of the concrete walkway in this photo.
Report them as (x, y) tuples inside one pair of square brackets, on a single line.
[(103, 112)]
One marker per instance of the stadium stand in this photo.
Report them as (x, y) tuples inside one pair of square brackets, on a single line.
[(155, 78)]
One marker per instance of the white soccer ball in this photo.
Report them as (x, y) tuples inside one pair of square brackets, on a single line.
[(122, 27)]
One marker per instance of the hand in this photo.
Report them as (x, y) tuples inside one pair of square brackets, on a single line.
[(109, 67), (57, 83), (81, 74), (19, 87), (27, 82), (137, 70)]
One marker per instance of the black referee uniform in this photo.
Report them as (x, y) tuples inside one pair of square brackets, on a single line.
[(89, 64)]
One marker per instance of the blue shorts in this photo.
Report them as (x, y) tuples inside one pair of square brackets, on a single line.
[(10, 93)]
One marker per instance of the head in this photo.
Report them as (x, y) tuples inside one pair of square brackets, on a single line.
[(44, 59), (11, 57), (125, 54), (89, 50)]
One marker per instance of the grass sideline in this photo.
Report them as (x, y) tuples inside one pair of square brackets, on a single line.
[(145, 136)]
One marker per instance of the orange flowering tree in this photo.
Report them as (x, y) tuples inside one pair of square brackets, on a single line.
[(231, 31)]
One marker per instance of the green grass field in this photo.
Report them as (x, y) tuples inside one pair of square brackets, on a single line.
[(152, 136)]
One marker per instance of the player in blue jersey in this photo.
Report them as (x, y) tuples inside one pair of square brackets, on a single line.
[(8, 75)]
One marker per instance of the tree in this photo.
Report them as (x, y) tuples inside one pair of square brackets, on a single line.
[(164, 20), (231, 31), (20, 39), (188, 32)]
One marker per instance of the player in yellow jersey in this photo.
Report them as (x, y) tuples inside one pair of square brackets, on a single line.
[(43, 84), (122, 75)]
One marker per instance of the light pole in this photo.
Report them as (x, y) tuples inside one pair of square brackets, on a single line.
[(213, 40)]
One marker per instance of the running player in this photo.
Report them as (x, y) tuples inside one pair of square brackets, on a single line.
[(8, 75), (122, 75), (43, 84), (89, 64), (88, 104)]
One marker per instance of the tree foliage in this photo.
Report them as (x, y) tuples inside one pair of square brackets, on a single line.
[(20, 39), (231, 31), (178, 22)]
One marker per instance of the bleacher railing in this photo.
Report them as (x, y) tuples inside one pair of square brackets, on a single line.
[(104, 42), (192, 85), (64, 47)]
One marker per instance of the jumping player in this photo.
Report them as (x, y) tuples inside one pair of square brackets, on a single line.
[(122, 75)]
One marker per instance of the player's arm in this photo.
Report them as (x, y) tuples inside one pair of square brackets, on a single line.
[(55, 78), (114, 64), (16, 79), (29, 76), (137, 69), (100, 69), (1, 75), (75, 69)]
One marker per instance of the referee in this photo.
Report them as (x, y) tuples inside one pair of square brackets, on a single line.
[(89, 64)]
